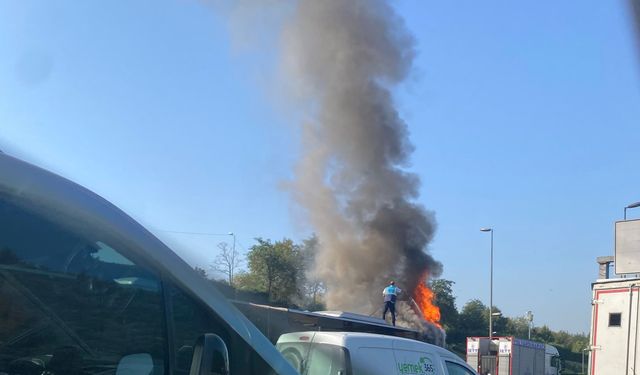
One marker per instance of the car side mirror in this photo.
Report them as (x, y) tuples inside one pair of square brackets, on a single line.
[(210, 356)]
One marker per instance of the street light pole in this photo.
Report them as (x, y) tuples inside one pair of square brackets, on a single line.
[(490, 284), (632, 205)]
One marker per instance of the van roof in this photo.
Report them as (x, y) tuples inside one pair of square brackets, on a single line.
[(345, 315)]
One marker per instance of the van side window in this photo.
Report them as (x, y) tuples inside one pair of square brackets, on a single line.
[(328, 360), (457, 369), (316, 359), (72, 301), (190, 319)]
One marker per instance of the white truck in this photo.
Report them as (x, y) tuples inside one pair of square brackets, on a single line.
[(355, 353), (615, 324), (512, 356)]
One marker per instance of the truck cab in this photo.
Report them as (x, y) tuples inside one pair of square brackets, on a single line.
[(85, 289), (552, 363)]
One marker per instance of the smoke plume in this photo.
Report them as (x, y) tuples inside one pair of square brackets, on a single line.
[(345, 58)]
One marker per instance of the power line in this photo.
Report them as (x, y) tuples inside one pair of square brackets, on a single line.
[(192, 233), (242, 246)]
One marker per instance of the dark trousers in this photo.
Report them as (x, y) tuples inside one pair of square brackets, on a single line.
[(390, 306)]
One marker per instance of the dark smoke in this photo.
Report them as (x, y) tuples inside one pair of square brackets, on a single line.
[(345, 58), (342, 59)]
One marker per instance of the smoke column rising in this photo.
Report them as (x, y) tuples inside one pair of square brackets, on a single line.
[(344, 58)]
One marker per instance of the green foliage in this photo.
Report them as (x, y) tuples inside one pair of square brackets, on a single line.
[(518, 327), (445, 300), (274, 268), (474, 318), (311, 287), (249, 281), (542, 334), (449, 316)]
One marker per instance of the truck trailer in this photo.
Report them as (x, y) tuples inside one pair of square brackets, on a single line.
[(615, 305), (615, 324), (511, 356)]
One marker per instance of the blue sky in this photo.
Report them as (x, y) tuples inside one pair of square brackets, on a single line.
[(524, 117)]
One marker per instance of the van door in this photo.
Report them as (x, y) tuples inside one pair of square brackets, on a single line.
[(410, 362), (456, 368), (373, 361), (310, 357)]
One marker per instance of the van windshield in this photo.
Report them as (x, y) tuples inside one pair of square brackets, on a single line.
[(316, 359)]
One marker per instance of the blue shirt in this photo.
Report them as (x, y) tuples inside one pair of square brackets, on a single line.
[(390, 293)]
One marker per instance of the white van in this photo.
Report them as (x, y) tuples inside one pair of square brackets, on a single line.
[(86, 290), (354, 353)]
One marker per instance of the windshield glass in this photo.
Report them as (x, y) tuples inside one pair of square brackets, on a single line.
[(316, 359), (78, 305)]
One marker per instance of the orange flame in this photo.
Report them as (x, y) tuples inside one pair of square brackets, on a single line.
[(424, 299)]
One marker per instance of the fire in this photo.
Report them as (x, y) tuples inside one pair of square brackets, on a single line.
[(424, 299)]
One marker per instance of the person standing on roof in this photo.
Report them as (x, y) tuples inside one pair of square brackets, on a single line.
[(390, 294)]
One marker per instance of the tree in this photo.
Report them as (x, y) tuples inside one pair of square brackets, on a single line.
[(579, 341), (446, 302), (311, 286), (249, 281), (274, 268), (518, 327), (201, 272), (542, 334), (498, 321), (474, 319), (563, 338), (449, 316), (227, 262)]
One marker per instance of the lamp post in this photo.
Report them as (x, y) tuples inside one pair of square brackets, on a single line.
[(490, 285), (632, 205)]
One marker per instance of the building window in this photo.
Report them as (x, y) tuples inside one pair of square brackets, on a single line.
[(615, 319)]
